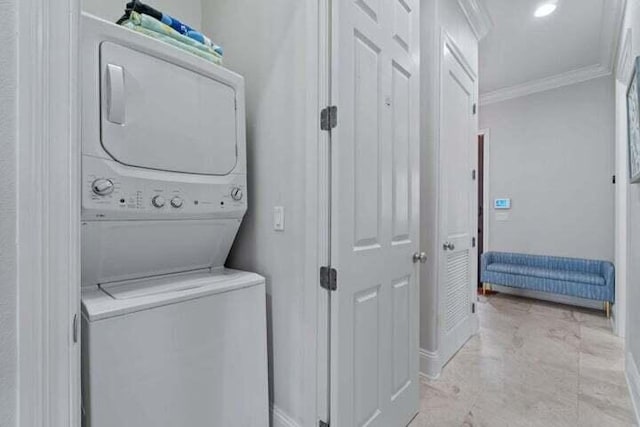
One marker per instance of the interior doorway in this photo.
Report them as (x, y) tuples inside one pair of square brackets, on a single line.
[(481, 231)]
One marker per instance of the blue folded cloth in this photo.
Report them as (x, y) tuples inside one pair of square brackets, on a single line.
[(151, 27), (177, 25), (188, 31)]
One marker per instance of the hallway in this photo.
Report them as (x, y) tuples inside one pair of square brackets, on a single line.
[(533, 364)]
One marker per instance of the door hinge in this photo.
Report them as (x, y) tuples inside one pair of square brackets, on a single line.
[(473, 174), (473, 308), (323, 424), (475, 108), (329, 278), (613, 179), (473, 242), (329, 118), (76, 328)]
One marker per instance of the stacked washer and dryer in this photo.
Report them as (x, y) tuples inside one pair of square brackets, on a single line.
[(169, 336)]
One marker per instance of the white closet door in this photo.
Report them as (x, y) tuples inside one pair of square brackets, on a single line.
[(457, 287), (374, 357)]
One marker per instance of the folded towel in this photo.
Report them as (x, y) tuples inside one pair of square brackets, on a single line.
[(177, 25), (205, 40), (151, 27)]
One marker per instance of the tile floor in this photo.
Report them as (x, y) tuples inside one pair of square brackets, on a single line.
[(532, 364)]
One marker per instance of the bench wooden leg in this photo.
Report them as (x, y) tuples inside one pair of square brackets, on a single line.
[(486, 287), (607, 309)]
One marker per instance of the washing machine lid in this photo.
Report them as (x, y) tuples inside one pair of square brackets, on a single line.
[(159, 115), (127, 297)]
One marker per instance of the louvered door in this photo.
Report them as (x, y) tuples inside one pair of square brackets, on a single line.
[(457, 298), (457, 222)]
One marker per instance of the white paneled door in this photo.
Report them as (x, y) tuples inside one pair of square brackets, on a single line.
[(457, 265), (375, 208)]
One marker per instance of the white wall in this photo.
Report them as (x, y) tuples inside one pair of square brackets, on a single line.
[(629, 215), (267, 42), (8, 194), (188, 11), (436, 16), (552, 153)]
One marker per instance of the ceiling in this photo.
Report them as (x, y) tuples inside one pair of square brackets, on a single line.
[(522, 52)]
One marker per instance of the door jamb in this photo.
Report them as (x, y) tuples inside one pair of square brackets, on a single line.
[(48, 203), (319, 195), (486, 133)]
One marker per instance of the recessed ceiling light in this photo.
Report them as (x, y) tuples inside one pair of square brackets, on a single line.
[(545, 9)]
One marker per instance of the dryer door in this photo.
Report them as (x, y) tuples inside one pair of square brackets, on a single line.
[(159, 115)]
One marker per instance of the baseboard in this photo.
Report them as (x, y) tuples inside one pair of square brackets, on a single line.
[(561, 299), (279, 418), (430, 367), (633, 380), (619, 323)]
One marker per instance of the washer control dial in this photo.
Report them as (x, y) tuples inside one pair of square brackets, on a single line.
[(237, 194), (102, 186), (158, 201), (177, 202)]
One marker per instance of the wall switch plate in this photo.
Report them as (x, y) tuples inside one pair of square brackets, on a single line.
[(278, 218)]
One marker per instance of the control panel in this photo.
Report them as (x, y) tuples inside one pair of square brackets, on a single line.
[(502, 204), (109, 193)]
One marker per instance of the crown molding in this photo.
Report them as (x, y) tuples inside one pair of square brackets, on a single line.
[(611, 26), (572, 77), (478, 17)]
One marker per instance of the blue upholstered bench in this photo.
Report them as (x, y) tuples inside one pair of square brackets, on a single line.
[(583, 278)]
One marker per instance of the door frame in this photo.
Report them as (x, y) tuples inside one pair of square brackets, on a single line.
[(447, 41), (318, 179), (486, 133), (49, 213), (48, 204), (624, 67)]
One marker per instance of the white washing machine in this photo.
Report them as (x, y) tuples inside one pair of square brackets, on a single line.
[(170, 337)]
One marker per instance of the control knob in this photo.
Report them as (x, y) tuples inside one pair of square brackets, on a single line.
[(102, 186), (158, 201), (177, 202), (237, 194)]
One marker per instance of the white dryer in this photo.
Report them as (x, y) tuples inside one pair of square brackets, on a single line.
[(170, 337), (163, 157)]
